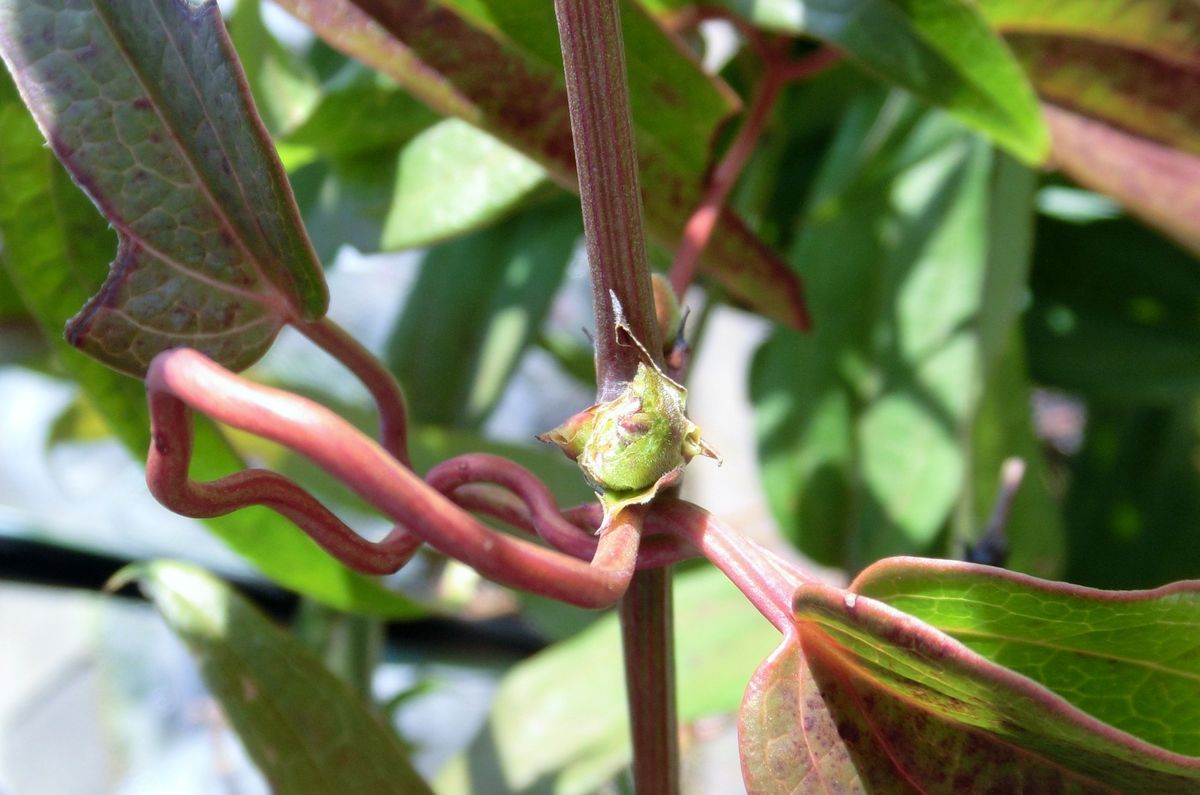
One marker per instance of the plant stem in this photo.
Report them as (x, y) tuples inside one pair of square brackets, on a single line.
[(389, 398), (699, 228), (647, 635), (598, 96), (606, 160)]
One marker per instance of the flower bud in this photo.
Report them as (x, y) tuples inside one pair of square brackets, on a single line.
[(632, 446)]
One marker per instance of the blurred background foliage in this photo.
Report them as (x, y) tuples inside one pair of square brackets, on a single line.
[(970, 301)]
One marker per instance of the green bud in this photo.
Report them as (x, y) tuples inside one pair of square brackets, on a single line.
[(632, 446)]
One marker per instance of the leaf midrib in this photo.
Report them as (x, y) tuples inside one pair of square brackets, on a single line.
[(272, 299)]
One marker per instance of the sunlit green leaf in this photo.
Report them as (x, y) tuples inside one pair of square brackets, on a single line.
[(941, 50), (1129, 658), (862, 696), (452, 178), (477, 305), (860, 423)]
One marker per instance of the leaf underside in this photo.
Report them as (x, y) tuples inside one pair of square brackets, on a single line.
[(145, 104), (861, 697)]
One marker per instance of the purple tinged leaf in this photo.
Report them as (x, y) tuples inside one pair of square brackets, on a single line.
[(1121, 79), (502, 72), (1165, 29), (1155, 182), (1142, 94), (145, 104), (862, 697)]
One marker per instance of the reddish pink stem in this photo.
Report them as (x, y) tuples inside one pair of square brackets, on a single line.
[(184, 376), (703, 220), (764, 579), (526, 503), (384, 389)]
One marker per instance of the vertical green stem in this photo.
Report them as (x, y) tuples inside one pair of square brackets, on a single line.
[(598, 94)]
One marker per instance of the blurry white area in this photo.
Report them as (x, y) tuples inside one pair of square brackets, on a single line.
[(365, 292), (719, 402), (540, 395), (291, 32), (442, 721), (100, 697), (85, 494), (720, 44)]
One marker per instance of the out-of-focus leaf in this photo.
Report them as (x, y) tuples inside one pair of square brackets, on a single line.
[(1127, 331), (1121, 80), (941, 50), (495, 64), (1167, 29), (360, 111), (1134, 500), (11, 307), (56, 247), (285, 88), (860, 423), (476, 306), (1002, 423), (146, 106), (305, 729), (345, 200), (572, 737), (862, 697), (1129, 658), (778, 179), (1157, 183), (1152, 98), (451, 179)]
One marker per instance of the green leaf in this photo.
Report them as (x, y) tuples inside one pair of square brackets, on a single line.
[(1129, 658), (360, 111), (1125, 334), (305, 729), (345, 200), (862, 697), (941, 50), (451, 179), (146, 106), (1133, 505), (1003, 422), (1003, 429), (860, 423), (477, 305), (56, 247), (496, 65), (574, 735)]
